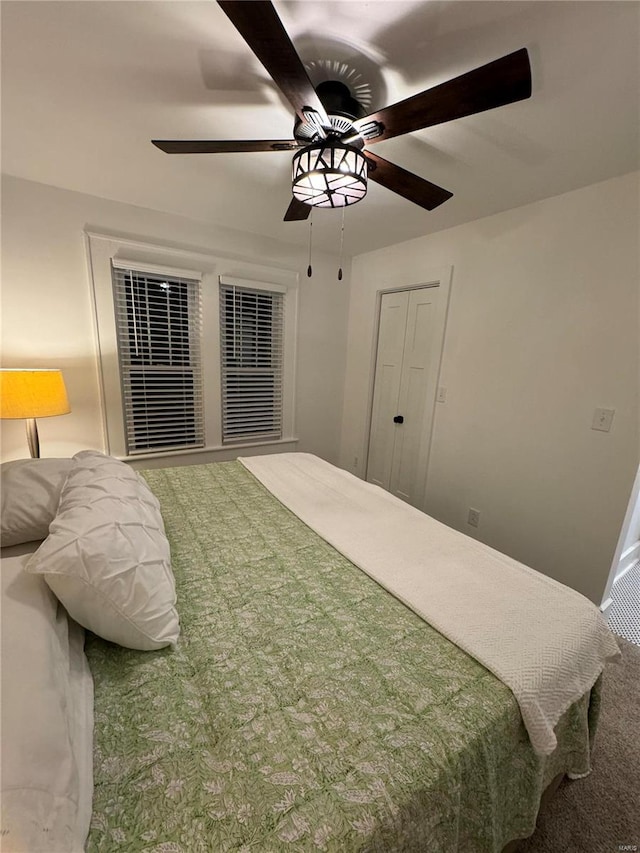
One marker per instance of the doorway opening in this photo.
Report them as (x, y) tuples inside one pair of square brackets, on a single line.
[(621, 600)]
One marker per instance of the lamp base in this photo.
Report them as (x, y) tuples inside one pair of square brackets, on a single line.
[(32, 438)]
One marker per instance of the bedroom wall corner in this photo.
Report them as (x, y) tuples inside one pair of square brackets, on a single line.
[(542, 330)]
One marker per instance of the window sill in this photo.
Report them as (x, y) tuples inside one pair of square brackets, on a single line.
[(233, 449)]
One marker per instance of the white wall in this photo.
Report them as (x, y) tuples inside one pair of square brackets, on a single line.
[(47, 315), (542, 329)]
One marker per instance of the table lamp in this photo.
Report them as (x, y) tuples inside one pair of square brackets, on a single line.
[(32, 394)]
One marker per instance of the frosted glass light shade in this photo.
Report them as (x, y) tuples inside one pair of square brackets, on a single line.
[(32, 394), (329, 174)]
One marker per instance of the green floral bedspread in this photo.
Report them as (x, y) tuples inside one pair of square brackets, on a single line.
[(304, 708)]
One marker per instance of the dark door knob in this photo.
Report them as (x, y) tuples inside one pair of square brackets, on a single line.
[(398, 419)]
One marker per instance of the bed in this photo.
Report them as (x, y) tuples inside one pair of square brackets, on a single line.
[(303, 707)]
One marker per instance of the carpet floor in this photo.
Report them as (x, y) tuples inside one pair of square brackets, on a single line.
[(601, 814)]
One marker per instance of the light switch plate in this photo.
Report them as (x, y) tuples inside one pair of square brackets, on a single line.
[(442, 394), (602, 419)]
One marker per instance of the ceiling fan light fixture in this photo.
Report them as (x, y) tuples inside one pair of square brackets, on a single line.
[(329, 174)]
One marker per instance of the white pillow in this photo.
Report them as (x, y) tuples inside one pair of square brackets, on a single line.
[(30, 495), (107, 558)]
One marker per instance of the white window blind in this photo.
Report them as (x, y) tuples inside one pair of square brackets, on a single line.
[(252, 353), (158, 325)]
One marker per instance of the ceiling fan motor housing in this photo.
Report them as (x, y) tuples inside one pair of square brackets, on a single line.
[(342, 110), (337, 99)]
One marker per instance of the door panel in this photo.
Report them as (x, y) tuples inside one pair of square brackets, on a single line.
[(412, 400), (391, 338), (407, 445), (404, 382)]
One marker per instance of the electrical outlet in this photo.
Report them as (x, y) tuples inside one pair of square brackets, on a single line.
[(474, 517), (602, 419), (355, 463)]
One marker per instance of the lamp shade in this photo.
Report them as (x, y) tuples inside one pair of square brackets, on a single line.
[(329, 174), (32, 394)]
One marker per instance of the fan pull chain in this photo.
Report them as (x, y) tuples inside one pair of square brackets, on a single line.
[(341, 243), (309, 270)]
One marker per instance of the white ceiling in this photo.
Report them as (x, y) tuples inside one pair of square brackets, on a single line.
[(86, 85)]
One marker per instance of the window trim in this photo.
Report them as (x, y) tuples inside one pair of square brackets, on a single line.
[(103, 250), (156, 269)]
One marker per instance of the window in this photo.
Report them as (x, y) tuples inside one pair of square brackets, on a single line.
[(158, 329), (251, 343), (167, 381)]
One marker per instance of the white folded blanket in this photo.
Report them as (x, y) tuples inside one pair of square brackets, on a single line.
[(545, 641)]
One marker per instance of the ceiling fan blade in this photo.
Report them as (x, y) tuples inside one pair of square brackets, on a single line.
[(297, 210), (406, 184), (500, 82), (259, 25), (223, 146)]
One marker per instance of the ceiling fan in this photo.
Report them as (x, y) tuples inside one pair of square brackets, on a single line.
[(330, 166)]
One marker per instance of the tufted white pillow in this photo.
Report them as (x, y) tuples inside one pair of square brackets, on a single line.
[(30, 494), (107, 558)]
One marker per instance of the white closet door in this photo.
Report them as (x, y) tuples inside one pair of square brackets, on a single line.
[(391, 337), (414, 390), (407, 365)]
